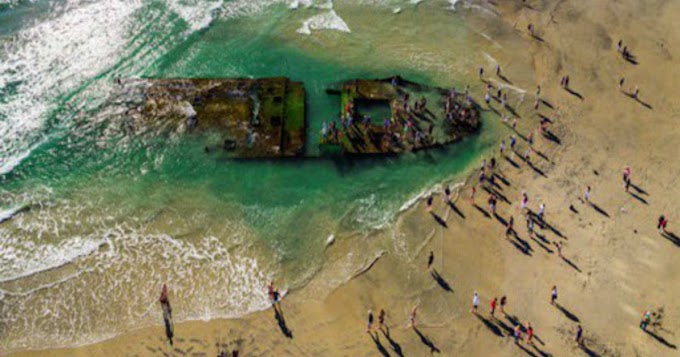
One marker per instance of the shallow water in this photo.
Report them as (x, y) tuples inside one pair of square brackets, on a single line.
[(102, 215)]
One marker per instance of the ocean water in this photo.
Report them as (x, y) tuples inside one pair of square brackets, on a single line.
[(95, 216)]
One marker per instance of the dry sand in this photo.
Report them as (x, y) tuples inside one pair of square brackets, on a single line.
[(616, 263)]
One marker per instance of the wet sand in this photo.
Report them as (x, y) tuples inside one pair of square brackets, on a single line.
[(616, 265)]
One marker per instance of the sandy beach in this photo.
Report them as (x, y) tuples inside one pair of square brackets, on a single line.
[(614, 266)]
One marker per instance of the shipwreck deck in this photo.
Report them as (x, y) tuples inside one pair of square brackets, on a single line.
[(416, 117), (254, 118)]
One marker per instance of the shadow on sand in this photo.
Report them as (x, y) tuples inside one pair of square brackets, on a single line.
[(455, 209), (441, 281), (513, 163), (637, 197), (672, 237), (426, 341), (568, 314), (395, 346), (439, 220), (574, 93), (490, 325), (278, 315), (571, 264), (378, 345), (484, 212), (599, 210), (661, 340)]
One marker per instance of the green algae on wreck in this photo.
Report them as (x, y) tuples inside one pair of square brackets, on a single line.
[(255, 118)]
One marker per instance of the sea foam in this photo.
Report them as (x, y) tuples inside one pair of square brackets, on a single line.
[(325, 21)]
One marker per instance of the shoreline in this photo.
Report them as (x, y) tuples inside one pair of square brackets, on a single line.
[(603, 272)]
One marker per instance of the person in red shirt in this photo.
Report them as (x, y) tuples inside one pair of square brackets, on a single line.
[(493, 306), (530, 333), (165, 302), (348, 108), (664, 223)]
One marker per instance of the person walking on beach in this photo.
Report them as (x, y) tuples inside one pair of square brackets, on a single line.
[(493, 306), (636, 92), (541, 211), (273, 293), (502, 147), (586, 195), (518, 334), (447, 194), (492, 204), (553, 295), (475, 303), (481, 72), (487, 98), (165, 302), (429, 203), (504, 301), (473, 190), (167, 314), (270, 292), (626, 178), (579, 335), (513, 141), (498, 70), (369, 325), (530, 333), (508, 228), (430, 260), (558, 245), (663, 222), (412, 317), (525, 201), (530, 226), (646, 319), (659, 221), (381, 319), (621, 81), (530, 29)]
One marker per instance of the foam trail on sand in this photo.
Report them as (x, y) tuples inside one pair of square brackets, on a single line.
[(432, 190)]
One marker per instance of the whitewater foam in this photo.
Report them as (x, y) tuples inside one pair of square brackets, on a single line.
[(20, 259), (208, 279), (325, 21), (11, 212)]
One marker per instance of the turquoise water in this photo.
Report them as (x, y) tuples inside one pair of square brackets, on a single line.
[(117, 211)]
